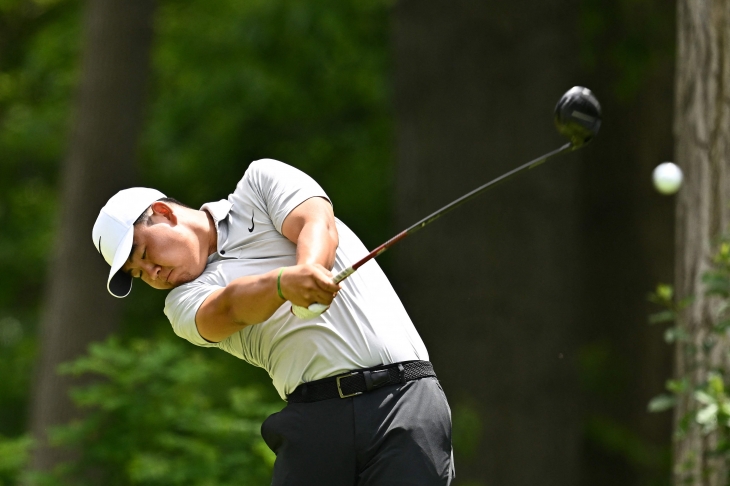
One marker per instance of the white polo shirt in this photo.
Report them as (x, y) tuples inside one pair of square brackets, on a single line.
[(366, 324)]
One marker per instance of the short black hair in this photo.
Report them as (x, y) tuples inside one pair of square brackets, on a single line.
[(144, 218)]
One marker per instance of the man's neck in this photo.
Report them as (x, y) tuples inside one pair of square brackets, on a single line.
[(212, 234)]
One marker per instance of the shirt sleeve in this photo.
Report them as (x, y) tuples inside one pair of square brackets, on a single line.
[(281, 187), (182, 304)]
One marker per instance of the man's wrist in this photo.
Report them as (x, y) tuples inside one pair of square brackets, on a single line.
[(278, 284)]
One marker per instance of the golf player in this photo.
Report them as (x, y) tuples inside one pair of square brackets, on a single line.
[(364, 405)]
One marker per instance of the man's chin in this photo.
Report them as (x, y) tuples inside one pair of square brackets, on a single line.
[(182, 279)]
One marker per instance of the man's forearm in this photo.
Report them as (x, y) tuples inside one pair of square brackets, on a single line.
[(244, 301), (253, 299)]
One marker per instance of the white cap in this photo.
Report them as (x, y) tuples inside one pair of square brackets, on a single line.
[(113, 233)]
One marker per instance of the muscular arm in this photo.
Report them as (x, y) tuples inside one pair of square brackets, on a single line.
[(311, 225), (253, 299)]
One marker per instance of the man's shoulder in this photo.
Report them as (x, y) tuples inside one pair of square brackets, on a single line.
[(261, 172), (266, 166), (266, 169)]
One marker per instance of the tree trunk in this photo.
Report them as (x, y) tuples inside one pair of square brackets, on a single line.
[(78, 308), (702, 134), (545, 278), (492, 287), (627, 247)]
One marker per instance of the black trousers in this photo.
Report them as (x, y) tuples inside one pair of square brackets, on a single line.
[(398, 435)]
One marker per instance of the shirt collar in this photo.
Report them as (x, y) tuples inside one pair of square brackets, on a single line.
[(219, 209), (219, 212)]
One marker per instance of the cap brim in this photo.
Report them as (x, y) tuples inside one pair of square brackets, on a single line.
[(120, 283)]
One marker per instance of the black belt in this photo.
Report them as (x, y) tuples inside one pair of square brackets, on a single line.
[(358, 382)]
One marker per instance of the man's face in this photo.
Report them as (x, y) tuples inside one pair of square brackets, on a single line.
[(166, 253)]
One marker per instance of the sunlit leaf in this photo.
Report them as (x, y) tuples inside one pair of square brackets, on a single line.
[(703, 397), (707, 416), (661, 403)]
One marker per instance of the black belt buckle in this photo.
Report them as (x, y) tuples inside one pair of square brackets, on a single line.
[(339, 388)]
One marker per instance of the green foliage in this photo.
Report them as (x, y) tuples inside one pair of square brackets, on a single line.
[(157, 414), (467, 430), (717, 283), (38, 72), (707, 402), (303, 82), (39, 41), (663, 296), (17, 349), (661, 403), (14, 454)]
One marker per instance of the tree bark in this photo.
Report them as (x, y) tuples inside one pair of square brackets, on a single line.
[(702, 134), (100, 161), (519, 293), (627, 247)]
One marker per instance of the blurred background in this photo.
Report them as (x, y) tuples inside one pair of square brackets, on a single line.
[(532, 300)]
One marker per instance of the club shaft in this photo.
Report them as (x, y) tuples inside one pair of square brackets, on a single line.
[(449, 207)]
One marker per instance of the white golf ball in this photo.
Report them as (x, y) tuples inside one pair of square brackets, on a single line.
[(667, 178)]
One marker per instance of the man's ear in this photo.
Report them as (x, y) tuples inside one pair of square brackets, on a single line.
[(161, 210)]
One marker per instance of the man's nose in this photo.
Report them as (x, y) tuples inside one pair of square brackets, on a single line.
[(151, 270)]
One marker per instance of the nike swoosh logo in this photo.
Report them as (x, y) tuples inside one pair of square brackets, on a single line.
[(250, 230)]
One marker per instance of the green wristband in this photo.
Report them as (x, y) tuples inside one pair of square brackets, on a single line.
[(278, 283)]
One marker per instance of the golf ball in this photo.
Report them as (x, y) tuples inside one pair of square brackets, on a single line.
[(667, 178)]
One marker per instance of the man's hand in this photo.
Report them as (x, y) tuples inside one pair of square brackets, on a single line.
[(305, 284)]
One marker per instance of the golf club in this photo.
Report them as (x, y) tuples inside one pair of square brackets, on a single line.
[(577, 116)]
